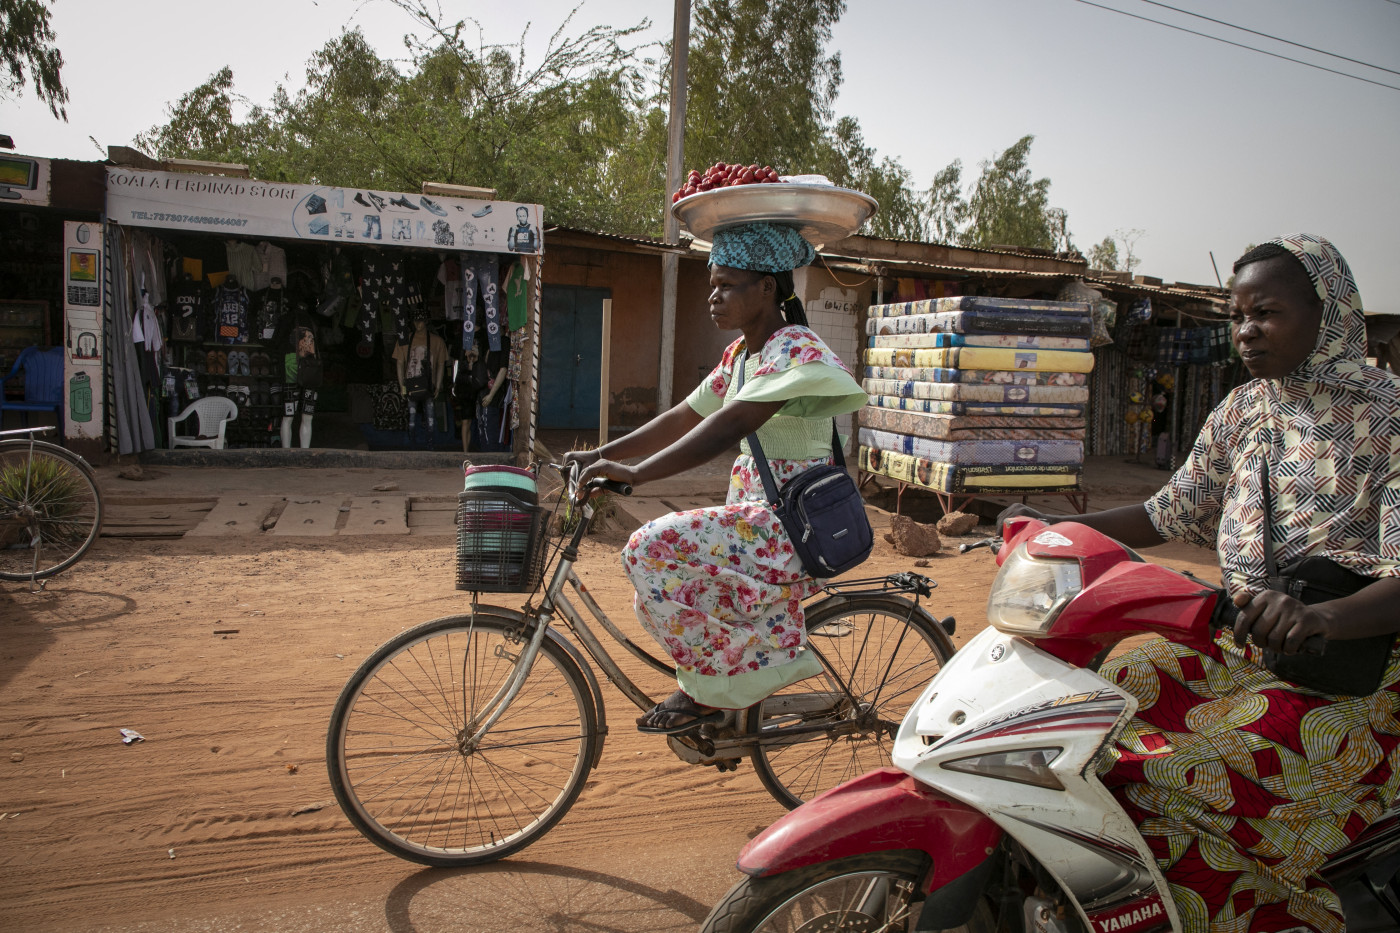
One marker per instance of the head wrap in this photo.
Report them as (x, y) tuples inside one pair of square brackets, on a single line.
[(761, 247)]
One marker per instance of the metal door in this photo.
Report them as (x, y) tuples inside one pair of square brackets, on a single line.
[(571, 352)]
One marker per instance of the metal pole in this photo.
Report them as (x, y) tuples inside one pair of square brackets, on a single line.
[(606, 372), (675, 157)]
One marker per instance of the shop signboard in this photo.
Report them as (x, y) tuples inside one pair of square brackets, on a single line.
[(24, 180), (82, 326), (318, 213)]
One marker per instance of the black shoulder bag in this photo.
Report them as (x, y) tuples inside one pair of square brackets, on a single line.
[(1348, 667), (821, 509)]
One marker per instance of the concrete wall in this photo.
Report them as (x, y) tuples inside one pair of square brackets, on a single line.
[(634, 279)]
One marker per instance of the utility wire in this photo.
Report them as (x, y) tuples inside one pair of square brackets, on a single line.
[(1265, 35), (1240, 45)]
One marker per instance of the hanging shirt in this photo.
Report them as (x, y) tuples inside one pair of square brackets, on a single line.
[(517, 297), (243, 262), (230, 311), (272, 264)]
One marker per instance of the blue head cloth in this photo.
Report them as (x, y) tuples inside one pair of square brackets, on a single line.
[(761, 247)]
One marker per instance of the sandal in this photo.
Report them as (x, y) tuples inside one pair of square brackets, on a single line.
[(685, 728), (679, 704)]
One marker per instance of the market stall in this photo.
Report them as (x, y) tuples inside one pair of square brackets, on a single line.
[(330, 317)]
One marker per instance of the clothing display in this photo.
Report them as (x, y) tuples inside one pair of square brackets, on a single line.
[(229, 307), (481, 278), (964, 390), (517, 292), (1245, 784), (720, 587)]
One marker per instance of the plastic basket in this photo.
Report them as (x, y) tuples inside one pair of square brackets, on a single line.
[(502, 542)]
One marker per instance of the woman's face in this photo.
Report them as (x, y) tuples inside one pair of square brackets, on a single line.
[(739, 297), (1274, 317)]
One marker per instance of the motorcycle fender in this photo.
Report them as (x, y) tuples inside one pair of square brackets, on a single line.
[(880, 811)]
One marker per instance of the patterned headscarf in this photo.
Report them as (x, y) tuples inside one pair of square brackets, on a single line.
[(1339, 358), (761, 247)]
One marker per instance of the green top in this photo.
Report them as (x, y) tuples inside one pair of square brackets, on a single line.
[(795, 367)]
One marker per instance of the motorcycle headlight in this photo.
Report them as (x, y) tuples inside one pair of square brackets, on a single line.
[(1029, 593)]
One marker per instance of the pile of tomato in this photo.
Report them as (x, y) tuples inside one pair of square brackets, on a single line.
[(725, 175)]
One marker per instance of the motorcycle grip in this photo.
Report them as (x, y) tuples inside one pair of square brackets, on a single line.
[(1226, 613)]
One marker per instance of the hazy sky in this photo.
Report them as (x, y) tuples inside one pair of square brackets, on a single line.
[(1201, 145)]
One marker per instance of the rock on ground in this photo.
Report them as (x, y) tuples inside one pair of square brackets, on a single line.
[(913, 539), (956, 524)]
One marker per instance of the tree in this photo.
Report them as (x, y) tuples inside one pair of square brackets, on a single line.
[(27, 51), (947, 208), (1104, 255), (1008, 207)]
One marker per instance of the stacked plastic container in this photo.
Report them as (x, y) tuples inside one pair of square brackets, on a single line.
[(501, 540), (977, 395)]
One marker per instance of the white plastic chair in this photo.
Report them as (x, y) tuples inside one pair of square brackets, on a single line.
[(213, 415)]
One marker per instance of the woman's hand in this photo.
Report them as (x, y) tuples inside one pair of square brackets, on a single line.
[(605, 469), (583, 458), (1278, 621)]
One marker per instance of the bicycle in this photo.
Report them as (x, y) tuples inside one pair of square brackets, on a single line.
[(465, 739), (50, 507)]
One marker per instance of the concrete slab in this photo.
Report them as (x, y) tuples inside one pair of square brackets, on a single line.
[(642, 509), (232, 516), (310, 517), (377, 515)]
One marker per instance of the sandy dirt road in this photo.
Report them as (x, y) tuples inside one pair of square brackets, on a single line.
[(223, 818)]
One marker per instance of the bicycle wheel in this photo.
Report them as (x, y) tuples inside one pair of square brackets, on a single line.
[(50, 510), (873, 893), (397, 748), (876, 656)]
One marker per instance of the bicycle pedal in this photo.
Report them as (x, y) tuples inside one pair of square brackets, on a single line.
[(727, 764)]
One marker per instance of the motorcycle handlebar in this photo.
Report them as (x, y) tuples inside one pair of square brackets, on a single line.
[(1227, 613)]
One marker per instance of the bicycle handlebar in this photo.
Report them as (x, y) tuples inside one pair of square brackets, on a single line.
[(569, 471)]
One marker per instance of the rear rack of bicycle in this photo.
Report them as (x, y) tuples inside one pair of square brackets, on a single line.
[(905, 582)]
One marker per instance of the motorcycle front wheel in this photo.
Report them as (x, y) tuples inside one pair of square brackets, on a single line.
[(876, 892)]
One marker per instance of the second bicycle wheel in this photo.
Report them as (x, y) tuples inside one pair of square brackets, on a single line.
[(50, 512), (399, 753), (834, 726)]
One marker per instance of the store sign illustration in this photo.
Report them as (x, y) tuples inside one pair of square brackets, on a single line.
[(82, 324), (343, 216)]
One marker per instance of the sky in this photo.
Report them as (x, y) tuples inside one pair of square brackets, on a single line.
[(1201, 146)]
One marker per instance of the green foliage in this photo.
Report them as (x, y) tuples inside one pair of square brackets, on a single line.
[(1104, 255), (27, 51), (47, 484), (1008, 207), (947, 209)]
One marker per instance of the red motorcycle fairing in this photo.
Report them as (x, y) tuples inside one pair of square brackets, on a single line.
[(883, 810)]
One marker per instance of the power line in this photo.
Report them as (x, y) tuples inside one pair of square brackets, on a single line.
[(1265, 35), (1239, 45)]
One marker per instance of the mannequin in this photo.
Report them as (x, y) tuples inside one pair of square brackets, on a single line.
[(297, 392), (469, 382), (489, 411), (420, 363)]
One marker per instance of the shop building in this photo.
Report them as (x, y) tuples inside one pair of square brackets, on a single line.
[(330, 317), (50, 296)]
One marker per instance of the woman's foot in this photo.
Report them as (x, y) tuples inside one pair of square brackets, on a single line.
[(676, 714)]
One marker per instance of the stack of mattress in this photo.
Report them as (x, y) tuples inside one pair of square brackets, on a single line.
[(977, 395)]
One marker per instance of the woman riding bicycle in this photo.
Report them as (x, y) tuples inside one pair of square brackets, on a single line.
[(720, 588)]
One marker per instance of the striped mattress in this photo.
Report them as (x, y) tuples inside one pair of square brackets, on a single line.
[(1003, 341), (936, 406), (995, 377), (965, 392), (983, 358), (976, 452), (951, 478), (967, 427)]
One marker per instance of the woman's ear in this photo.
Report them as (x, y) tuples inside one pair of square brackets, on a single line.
[(768, 287)]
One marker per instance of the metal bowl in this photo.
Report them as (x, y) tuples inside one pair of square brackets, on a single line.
[(821, 213)]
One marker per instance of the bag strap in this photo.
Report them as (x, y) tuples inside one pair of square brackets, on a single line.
[(770, 488), (1270, 564)]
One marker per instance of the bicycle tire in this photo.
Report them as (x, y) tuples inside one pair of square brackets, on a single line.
[(865, 643), (875, 891), (52, 499), (394, 755)]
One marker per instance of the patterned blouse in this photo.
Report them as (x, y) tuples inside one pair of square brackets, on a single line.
[(1330, 432)]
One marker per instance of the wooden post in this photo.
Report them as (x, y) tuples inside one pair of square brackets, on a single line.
[(675, 158), (604, 374)]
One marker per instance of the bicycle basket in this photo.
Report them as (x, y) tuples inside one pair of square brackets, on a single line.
[(502, 542)]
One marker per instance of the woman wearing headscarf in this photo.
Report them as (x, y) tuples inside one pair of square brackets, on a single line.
[(720, 588), (1243, 783)]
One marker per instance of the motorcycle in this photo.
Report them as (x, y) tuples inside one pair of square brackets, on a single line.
[(993, 817)]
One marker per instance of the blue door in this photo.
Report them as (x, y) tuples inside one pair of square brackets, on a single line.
[(571, 355)]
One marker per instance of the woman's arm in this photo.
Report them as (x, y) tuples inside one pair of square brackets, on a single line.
[(1278, 621), (706, 440), (1128, 524)]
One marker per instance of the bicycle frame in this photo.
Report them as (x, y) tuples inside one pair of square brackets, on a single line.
[(557, 599)]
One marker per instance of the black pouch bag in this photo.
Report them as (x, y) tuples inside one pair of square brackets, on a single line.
[(821, 510), (309, 372), (1349, 667)]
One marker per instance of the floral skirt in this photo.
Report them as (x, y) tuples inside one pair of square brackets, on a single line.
[(1244, 785), (721, 590)]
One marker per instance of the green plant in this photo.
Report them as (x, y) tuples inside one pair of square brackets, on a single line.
[(46, 484)]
